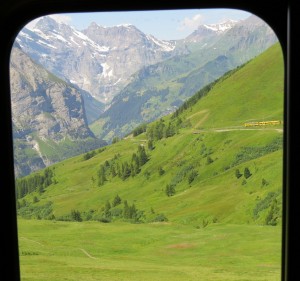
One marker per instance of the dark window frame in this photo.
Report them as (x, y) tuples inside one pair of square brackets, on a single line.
[(16, 13)]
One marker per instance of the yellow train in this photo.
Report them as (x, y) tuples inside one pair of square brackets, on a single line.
[(263, 123)]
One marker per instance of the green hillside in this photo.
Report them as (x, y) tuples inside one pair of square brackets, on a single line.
[(197, 169)]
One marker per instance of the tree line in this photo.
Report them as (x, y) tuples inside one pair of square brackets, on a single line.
[(36, 182)]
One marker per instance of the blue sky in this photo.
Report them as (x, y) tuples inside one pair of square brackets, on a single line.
[(165, 25)]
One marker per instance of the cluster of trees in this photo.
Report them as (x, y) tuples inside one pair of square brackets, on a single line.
[(246, 173), (89, 155), (170, 189), (110, 211), (36, 182), (116, 209), (128, 212), (159, 130), (139, 130), (92, 153), (188, 173), (125, 169), (268, 208), (252, 152)]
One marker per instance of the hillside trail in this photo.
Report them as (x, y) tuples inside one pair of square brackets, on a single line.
[(87, 254), (31, 240), (204, 112)]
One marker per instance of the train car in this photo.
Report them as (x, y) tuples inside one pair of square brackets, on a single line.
[(262, 123)]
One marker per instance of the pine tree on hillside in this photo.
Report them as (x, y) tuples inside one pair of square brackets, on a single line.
[(117, 201), (101, 175), (247, 173)]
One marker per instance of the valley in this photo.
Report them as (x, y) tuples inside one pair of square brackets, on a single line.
[(127, 77), (192, 195)]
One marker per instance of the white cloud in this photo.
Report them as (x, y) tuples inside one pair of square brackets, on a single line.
[(191, 24)]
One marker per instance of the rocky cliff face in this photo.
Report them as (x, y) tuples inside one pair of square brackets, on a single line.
[(43, 103), (45, 110)]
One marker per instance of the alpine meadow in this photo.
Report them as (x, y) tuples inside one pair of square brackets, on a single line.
[(194, 195)]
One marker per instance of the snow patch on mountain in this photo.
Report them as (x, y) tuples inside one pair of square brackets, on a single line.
[(221, 27), (107, 71)]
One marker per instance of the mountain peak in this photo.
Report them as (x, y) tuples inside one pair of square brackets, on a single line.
[(94, 25), (222, 26), (206, 31), (46, 23)]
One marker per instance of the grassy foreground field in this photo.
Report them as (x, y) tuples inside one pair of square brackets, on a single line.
[(90, 251)]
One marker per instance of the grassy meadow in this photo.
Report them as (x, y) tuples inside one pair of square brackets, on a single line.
[(222, 219), (158, 251)]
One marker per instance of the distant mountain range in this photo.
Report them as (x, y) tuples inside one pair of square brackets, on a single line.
[(159, 89), (71, 88), (98, 59)]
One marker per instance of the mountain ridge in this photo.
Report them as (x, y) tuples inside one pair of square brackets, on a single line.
[(116, 52)]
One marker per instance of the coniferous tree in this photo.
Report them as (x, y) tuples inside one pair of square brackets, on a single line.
[(125, 171), (113, 171), (264, 182), (238, 174), (193, 174), (150, 144), (115, 140), (170, 190), (117, 201), (75, 215), (101, 175), (135, 165), (107, 213), (126, 211), (273, 214), (142, 155), (247, 173), (132, 212), (209, 160), (161, 171)]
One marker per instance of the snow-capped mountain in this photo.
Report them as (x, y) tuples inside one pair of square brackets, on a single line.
[(210, 31), (221, 27), (98, 59)]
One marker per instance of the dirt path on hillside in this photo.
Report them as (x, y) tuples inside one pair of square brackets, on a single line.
[(87, 254), (204, 112), (30, 240)]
